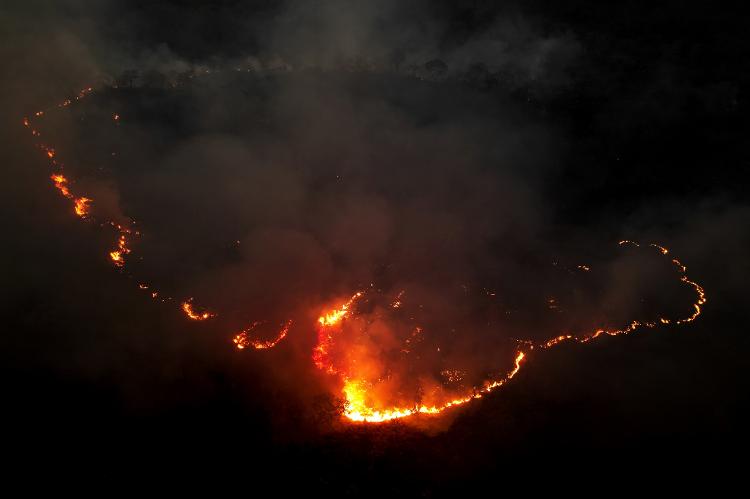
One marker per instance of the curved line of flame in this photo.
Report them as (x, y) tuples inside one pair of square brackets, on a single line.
[(82, 208), (355, 392), (356, 409)]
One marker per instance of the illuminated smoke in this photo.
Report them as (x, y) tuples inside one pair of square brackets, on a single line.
[(359, 391), (82, 208), (363, 395)]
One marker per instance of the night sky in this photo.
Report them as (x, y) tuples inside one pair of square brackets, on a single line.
[(483, 158)]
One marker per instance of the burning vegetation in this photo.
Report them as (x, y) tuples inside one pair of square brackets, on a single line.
[(388, 353), (366, 345)]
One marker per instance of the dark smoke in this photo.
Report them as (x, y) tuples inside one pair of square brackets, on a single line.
[(430, 146)]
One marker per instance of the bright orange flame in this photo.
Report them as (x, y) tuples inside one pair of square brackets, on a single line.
[(187, 307), (325, 336), (360, 406), (60, 184), (117, 258), (81, 206), (334, 316), (118, 255), (358, 409), (242, 340)]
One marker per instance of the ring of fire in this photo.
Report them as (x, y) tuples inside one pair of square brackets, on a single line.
[(354, 388)]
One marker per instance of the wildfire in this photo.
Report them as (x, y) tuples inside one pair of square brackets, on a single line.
[(242, 340), (325, 334), (334, 316), (362, 404), (358, 406), (118, 255), (187, 307), (60, 184), (362, 401), (81, 206)]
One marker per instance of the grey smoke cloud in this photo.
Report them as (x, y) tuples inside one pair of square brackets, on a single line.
[(364, 146)]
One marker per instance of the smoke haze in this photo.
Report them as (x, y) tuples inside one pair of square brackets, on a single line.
[(280, 156)]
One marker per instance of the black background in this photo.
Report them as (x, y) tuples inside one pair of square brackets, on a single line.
[(655, 125)]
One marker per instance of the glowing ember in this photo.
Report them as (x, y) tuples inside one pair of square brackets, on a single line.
[(242, 340), (363, 401), (325, 335), (118, 255), (60, 184), (187, 307), (358, 402), (334, 316), (81, 206)]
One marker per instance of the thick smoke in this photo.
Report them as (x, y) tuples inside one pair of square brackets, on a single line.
[(292, 154)]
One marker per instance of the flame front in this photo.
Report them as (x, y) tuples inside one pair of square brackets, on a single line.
[(82, 207), (192, 314), (326, 322), (118, 255), (358, 406), (362, 403), (80, 204), (243, 340)]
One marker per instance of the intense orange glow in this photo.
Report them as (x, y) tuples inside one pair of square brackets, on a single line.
[(358, 409), (362, 404), (60, 184), (187, 307), (334, 316), (325, 333), (118, 255), (117, 258), (243, 340), (81, 206)]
